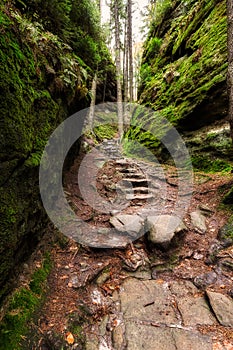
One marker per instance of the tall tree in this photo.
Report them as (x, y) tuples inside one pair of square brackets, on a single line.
[(230, 62), (126, 59), (117, 6), (130, 49)]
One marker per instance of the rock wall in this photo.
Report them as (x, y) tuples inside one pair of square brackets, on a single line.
[(42, 82), (184, 66)]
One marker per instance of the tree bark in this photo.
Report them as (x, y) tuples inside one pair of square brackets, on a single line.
[(126, 61), (230, 62), (118, 68), (92, 106), (130, 44)]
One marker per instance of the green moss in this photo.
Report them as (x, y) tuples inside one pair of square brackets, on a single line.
[(33, 102), (226, 232), (22, 305), (105, 131), (196, 15), (206, 164), (189, 68), (228, 198), (40, 276), (76, 328)]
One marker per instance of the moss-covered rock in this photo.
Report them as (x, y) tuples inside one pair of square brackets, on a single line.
[(42, 82), (184, 66)]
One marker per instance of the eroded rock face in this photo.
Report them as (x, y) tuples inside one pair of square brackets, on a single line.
[(183, 72), (37, 94), (186, 56)]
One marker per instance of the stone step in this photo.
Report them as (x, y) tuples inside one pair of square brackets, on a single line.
[(139, 196), (135, 175), (126, 170), (123, 161), (136, 189), (135, 180)]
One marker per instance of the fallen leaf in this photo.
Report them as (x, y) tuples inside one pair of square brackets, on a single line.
[(116, 323), (70, 338), (64, 277), (160, 281), (228, 346), (217, 346)]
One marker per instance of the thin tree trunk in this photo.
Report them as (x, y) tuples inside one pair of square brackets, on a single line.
[(230, 62), (130, 43), (105, 85), (126, 61), (118, 68), (92, 106)]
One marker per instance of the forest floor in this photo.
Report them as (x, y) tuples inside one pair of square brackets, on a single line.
[(84, 281)]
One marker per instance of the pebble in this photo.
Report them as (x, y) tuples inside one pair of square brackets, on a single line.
[(154, 274), (198, 256), (206, 279)]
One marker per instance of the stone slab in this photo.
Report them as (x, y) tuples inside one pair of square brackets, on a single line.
[(141, 337), (147, 300), (222, 307), (191, 304)]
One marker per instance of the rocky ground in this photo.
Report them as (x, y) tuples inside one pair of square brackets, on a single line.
[(163, 284)]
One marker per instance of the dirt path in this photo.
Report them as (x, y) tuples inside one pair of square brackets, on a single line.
[(142, 296)]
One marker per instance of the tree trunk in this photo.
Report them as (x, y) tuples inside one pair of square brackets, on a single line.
[(230, 62), (118, 68), (126, 61), (92, 106), (130, 44)]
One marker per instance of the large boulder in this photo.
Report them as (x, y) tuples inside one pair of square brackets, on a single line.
[(163, 228)]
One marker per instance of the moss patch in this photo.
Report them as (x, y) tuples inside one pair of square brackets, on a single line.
[(105, 131), (226, 232), (208, 165), (183, 72), (23, 303), (228, 198)]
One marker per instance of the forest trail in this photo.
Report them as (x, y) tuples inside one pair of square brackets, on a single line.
[(139, 295)]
